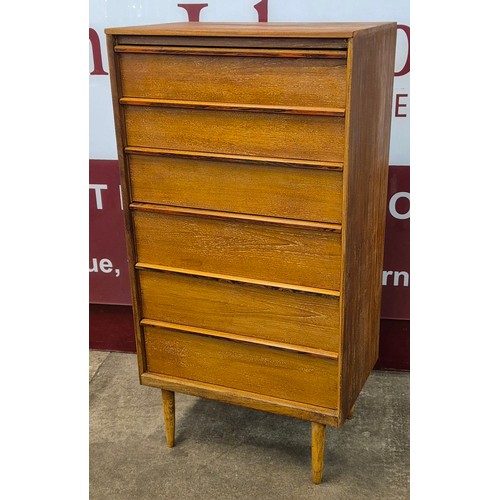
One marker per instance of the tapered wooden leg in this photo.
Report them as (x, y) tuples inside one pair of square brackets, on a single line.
[(318, 451), (168, 398), (351, 413)]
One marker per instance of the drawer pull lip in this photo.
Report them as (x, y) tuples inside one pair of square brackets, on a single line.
[(288, 162), (231, 106), (246, 281), (235, 52), (215, 214), (311, 351)]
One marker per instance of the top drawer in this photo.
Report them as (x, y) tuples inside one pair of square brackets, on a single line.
[(253, 76)]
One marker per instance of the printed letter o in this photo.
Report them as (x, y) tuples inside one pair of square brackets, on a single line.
[(392, 205)]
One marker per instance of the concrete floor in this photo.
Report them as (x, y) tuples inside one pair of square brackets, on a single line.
[(228, 452)]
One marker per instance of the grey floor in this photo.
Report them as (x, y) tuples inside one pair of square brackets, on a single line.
[(228, 452)]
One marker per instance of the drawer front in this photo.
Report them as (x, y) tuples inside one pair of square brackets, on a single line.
[(242, 133), (302, 319), (251, 80), (297, 193), (237, 365), (272, 252)]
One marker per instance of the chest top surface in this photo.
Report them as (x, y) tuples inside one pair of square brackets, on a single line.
[(271, 30)]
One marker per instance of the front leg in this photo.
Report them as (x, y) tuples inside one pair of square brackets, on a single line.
[(318, 451), (168, 398)]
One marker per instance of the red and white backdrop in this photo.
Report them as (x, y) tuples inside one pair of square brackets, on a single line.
[(110, 304)]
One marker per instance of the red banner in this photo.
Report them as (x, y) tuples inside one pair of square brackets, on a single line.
[(109, 277), (396, 275)]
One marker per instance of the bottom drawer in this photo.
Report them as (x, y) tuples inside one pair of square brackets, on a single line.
[(261, 370)]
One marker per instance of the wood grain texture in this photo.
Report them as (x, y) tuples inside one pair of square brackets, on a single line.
[(231, 52), (168, 401), (238, 279), (257, 80), (317, 451), (272, 372), (241, 41), (302, 256), (236, 158), (371, 63), (116, 92), (232, 216), (246, 133), (233, 106), (238, 187), (270, 30), (248, 399), (302, 319), (253, 341)]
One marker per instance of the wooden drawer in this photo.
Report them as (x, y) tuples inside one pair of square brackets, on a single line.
[(225, 76), (302, 319), (262, 370), (314, 137), (261, 189), (283, 253)]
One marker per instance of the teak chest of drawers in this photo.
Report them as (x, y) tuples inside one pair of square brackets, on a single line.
[(254, 162)]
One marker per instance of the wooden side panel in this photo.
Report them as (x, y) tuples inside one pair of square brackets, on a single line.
[(297, 193), (371, 57), (258, 80), (272, 252), (303, 319), (243, 132), (268, 371)]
